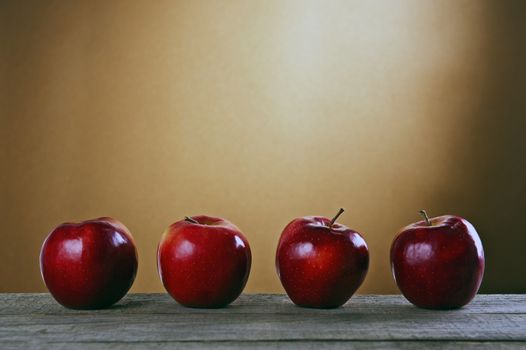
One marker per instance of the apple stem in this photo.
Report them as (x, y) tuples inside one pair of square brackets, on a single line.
[(426, 218), (189, 219), (340, 212)]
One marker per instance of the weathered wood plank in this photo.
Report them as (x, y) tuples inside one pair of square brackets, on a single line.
[(43, 303), (303, 345), (223, 327), (155, 320)]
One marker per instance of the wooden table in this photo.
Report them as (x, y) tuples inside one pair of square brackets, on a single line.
[(261, 321)]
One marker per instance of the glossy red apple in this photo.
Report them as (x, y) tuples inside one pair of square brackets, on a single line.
[(321, 263), (438, 263), (204, 261), (89, 265)]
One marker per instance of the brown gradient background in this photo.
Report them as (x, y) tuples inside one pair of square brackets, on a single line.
[(260, 112)]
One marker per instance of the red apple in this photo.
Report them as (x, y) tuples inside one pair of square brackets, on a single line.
[(438, 263), (204, 261), (321, 263), (89, 265)]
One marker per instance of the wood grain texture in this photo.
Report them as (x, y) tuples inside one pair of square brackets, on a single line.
[(261, 321)]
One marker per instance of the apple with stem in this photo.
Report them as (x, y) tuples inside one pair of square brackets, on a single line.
[(320, 262), (89, 265), (438, 263), (204, 261)]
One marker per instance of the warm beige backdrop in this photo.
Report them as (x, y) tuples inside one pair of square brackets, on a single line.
[(262, 111)]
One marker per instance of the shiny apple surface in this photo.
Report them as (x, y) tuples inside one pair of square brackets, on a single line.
[(204, 261), (89, 265), (440, 264), (321, 265)]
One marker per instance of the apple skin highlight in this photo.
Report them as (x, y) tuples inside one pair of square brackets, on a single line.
[(438, 263), (321, 263), (204, 261), (89, 265)]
